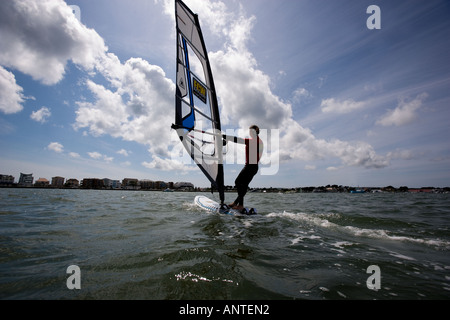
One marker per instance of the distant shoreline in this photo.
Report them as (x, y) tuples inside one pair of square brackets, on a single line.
[(321, 189)]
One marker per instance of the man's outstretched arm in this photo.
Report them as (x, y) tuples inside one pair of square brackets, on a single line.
[(234, 139)]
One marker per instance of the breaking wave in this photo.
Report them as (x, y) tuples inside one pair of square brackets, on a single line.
[(321, 222)]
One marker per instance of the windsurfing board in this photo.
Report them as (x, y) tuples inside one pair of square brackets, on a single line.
[(213, 206)]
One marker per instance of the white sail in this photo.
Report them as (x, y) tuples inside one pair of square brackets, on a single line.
[(197, 118)]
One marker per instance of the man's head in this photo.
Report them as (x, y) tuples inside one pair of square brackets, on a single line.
[(254, 130)]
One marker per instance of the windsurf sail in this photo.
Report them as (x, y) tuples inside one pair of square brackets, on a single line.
[(197, 118)]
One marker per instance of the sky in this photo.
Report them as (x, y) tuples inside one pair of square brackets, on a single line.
[(343, 102)]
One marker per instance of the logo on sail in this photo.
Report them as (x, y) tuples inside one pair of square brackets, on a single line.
[(199, 90), (181, 84)]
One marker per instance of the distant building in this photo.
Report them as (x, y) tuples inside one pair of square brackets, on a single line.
[(388, 189), (6, 180), (147, 184), (92, 183), (111, 184), (421, 190), (58, 182), (130, 184), (107, 183), (42, 183), (26, 180), (160, 185), (116, 184), (183, 185), (72, 183)]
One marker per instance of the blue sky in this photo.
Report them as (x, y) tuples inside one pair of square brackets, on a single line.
[(352, 106)]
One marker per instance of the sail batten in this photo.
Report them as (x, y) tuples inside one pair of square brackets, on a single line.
[(196, 107)]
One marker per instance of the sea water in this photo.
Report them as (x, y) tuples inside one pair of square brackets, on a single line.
[(159, 245)]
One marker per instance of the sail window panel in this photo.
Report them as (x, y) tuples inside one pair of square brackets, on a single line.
[(180, 50), (197, 43), (199, 88), (208, 149), (205, 151), (185, 109), (212, 169), (186, 25), (202, 107), (204, 68), (181, 80), (185, 30), (185, 22), (181, 71), (196, 63), (207, 160), (204, 136)]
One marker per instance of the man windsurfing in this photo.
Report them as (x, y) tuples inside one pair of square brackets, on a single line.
[(253, 151)]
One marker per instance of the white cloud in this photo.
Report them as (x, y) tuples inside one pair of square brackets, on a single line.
[(98, 156), (299, 143), (404, 154), (11, 97), (300, 93), (103, 117), (42, 36), (336, 106), (168, 165), (74, 155), (405, 113), (359, 154), (135, 109), (108, 159), (41, 115), (124, 152), (244, 91), (95, 155), (56, 147)]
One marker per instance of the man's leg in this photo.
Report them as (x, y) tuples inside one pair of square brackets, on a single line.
[(241, 187), (242, 181)]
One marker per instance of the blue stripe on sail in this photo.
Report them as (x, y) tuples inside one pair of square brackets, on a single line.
[(189, 120)]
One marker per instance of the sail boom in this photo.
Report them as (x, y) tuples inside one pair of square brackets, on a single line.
[(219, 134)]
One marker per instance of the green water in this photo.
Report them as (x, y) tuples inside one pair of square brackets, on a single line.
[(156, 245)]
